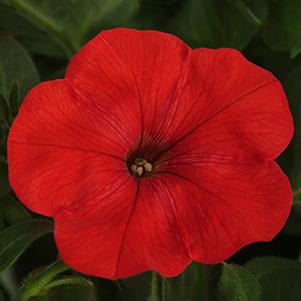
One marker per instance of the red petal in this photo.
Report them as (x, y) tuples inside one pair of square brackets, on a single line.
[(139, 70), (126, 233), (222, 205), (236, 120), (58, 151), (235, 108)]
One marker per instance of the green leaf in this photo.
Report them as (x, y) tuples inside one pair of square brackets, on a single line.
[(15, 239), (137, 288), (279, 278), (192, 284), (4, 109), (32, 38), (67, 21), (12, 210), (283, 28), (44, 279), (4, 128), (155, 14), (122, 13), (4, 183), (16, 66), (14, 99), (296, 49), (77, 293), (237, 284), (215, 23)]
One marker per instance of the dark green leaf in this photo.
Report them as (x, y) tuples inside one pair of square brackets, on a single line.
[(214, 23), (155, 14), (15, 66), (4, 127), (192, 284), (238, 284), (14, 99), (279, 278), (283, 29), (12, 210), (4, 109), (133, 287), (4, 184), (32, 38), (15, 239), (67, 21), (76, 293), (122, 13)]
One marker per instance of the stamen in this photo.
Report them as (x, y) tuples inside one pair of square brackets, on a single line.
[(140, 161), (140, 171), (140, 167), (134, 169), (148, 167)]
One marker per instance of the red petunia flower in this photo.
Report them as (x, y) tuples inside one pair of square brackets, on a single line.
[(150, 155)]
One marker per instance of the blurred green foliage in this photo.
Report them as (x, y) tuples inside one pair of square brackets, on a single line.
[(237, 283), (37, 40), (279, 278)]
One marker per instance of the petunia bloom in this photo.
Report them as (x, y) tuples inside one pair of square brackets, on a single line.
[(149, 155)]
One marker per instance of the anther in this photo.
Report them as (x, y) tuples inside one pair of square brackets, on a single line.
[(148, 167), (140, 166)]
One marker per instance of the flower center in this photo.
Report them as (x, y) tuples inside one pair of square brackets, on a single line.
[(141, 167)]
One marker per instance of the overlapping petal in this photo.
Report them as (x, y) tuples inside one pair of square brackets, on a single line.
[(222, 156), (125, 233), (222, 205), (234, 108), (60, 152), (148, 68)]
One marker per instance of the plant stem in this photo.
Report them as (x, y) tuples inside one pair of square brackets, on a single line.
[(154, 287), (39, 280), (164, 289), (204, 284), (69, 281)]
